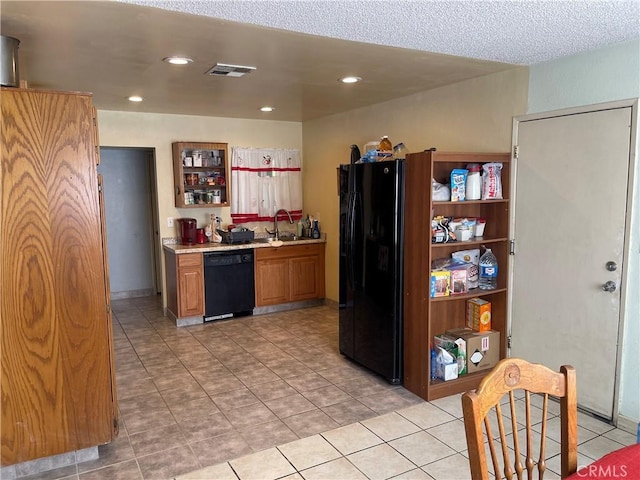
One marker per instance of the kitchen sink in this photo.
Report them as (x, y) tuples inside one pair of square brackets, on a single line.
[(286, 238), (264, 240)]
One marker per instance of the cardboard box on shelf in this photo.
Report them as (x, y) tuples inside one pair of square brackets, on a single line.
[(445, 341), (459, 278), (479, 314), (482, 348)]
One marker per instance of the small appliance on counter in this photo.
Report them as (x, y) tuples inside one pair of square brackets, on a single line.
[(188, 231), (237, 235)]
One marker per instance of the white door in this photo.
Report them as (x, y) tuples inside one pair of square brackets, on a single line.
[(569, 223)]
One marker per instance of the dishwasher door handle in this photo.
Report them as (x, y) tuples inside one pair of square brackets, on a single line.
[(223, 259)]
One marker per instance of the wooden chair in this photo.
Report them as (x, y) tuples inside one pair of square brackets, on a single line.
[(508, 376)]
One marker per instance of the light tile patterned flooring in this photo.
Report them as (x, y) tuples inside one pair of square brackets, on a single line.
[(269, 397)]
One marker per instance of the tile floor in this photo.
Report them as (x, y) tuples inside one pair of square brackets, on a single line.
[(269, 397)]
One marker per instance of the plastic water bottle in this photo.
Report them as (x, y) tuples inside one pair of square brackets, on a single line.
[(488, 271), (433, 366)]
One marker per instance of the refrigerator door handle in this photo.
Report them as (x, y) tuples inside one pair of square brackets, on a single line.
[(350, 237)]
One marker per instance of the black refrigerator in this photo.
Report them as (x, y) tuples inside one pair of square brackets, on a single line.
[(371, 257)]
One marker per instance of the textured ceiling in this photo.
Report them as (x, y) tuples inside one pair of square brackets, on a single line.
[(519, 32), (300, 48)]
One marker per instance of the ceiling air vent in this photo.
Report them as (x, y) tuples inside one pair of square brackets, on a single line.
[(225, 70)]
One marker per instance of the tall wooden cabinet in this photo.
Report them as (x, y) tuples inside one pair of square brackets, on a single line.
[(58, 382), (425, 317)]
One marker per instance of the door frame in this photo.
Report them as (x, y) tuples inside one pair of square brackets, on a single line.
[(155, 216), (631, 187)]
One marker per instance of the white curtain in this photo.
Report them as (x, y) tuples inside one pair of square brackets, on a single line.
[(264, 180)]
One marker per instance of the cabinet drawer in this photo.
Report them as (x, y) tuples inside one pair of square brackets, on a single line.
[(288, 251), (190, 260)]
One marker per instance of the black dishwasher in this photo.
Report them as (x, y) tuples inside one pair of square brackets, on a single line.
[(228, 284)]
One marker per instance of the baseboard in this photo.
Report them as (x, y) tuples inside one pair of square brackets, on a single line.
[(627, 424), (132, 294), (331, 303), (42, 465), (283, 307)]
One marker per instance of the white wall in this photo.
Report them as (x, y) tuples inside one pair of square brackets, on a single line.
[(604, 75), (158, 131)]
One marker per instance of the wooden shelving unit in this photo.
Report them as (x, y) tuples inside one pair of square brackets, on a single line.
[(425, 317), (208, 165)]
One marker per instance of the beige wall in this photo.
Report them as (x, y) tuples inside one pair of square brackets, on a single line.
[(474, 115), (158, 131)]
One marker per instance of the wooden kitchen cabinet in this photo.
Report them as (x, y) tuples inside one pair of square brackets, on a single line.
[(58, 381), (425, 317), (289, 274), (190, 285), (185, 284), (201, 173)]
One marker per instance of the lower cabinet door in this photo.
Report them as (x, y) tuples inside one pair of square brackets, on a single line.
[(304, 278), (191, 292), (272, 281)]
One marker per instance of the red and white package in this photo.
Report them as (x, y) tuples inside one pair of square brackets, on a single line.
[(492, 181)]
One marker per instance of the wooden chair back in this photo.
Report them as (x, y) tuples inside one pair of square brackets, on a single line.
[(499, 393)]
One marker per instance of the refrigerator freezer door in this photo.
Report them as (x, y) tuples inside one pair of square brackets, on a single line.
[(371, 316), (345, 288)]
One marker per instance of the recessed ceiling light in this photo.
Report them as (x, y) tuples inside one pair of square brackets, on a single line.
[(350, 79), (267, 109), (177, 60), (135, 98)]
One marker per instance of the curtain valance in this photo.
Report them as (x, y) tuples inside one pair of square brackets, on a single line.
[(264, 180)]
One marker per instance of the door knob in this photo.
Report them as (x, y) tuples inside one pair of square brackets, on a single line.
[(609, 286)]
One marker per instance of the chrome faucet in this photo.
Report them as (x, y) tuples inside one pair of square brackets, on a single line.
[(276, 232)]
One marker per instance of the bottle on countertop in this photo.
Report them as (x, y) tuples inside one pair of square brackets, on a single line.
[(315, 232), (306, 227), (488, 271), (385, 144), (299, 228)]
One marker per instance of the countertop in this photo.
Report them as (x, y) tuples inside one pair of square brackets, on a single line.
[(221, 247)]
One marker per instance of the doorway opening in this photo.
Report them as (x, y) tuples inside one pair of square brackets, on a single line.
[(131, 216)]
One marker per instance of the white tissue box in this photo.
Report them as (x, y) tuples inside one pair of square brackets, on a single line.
[(449, 371)]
